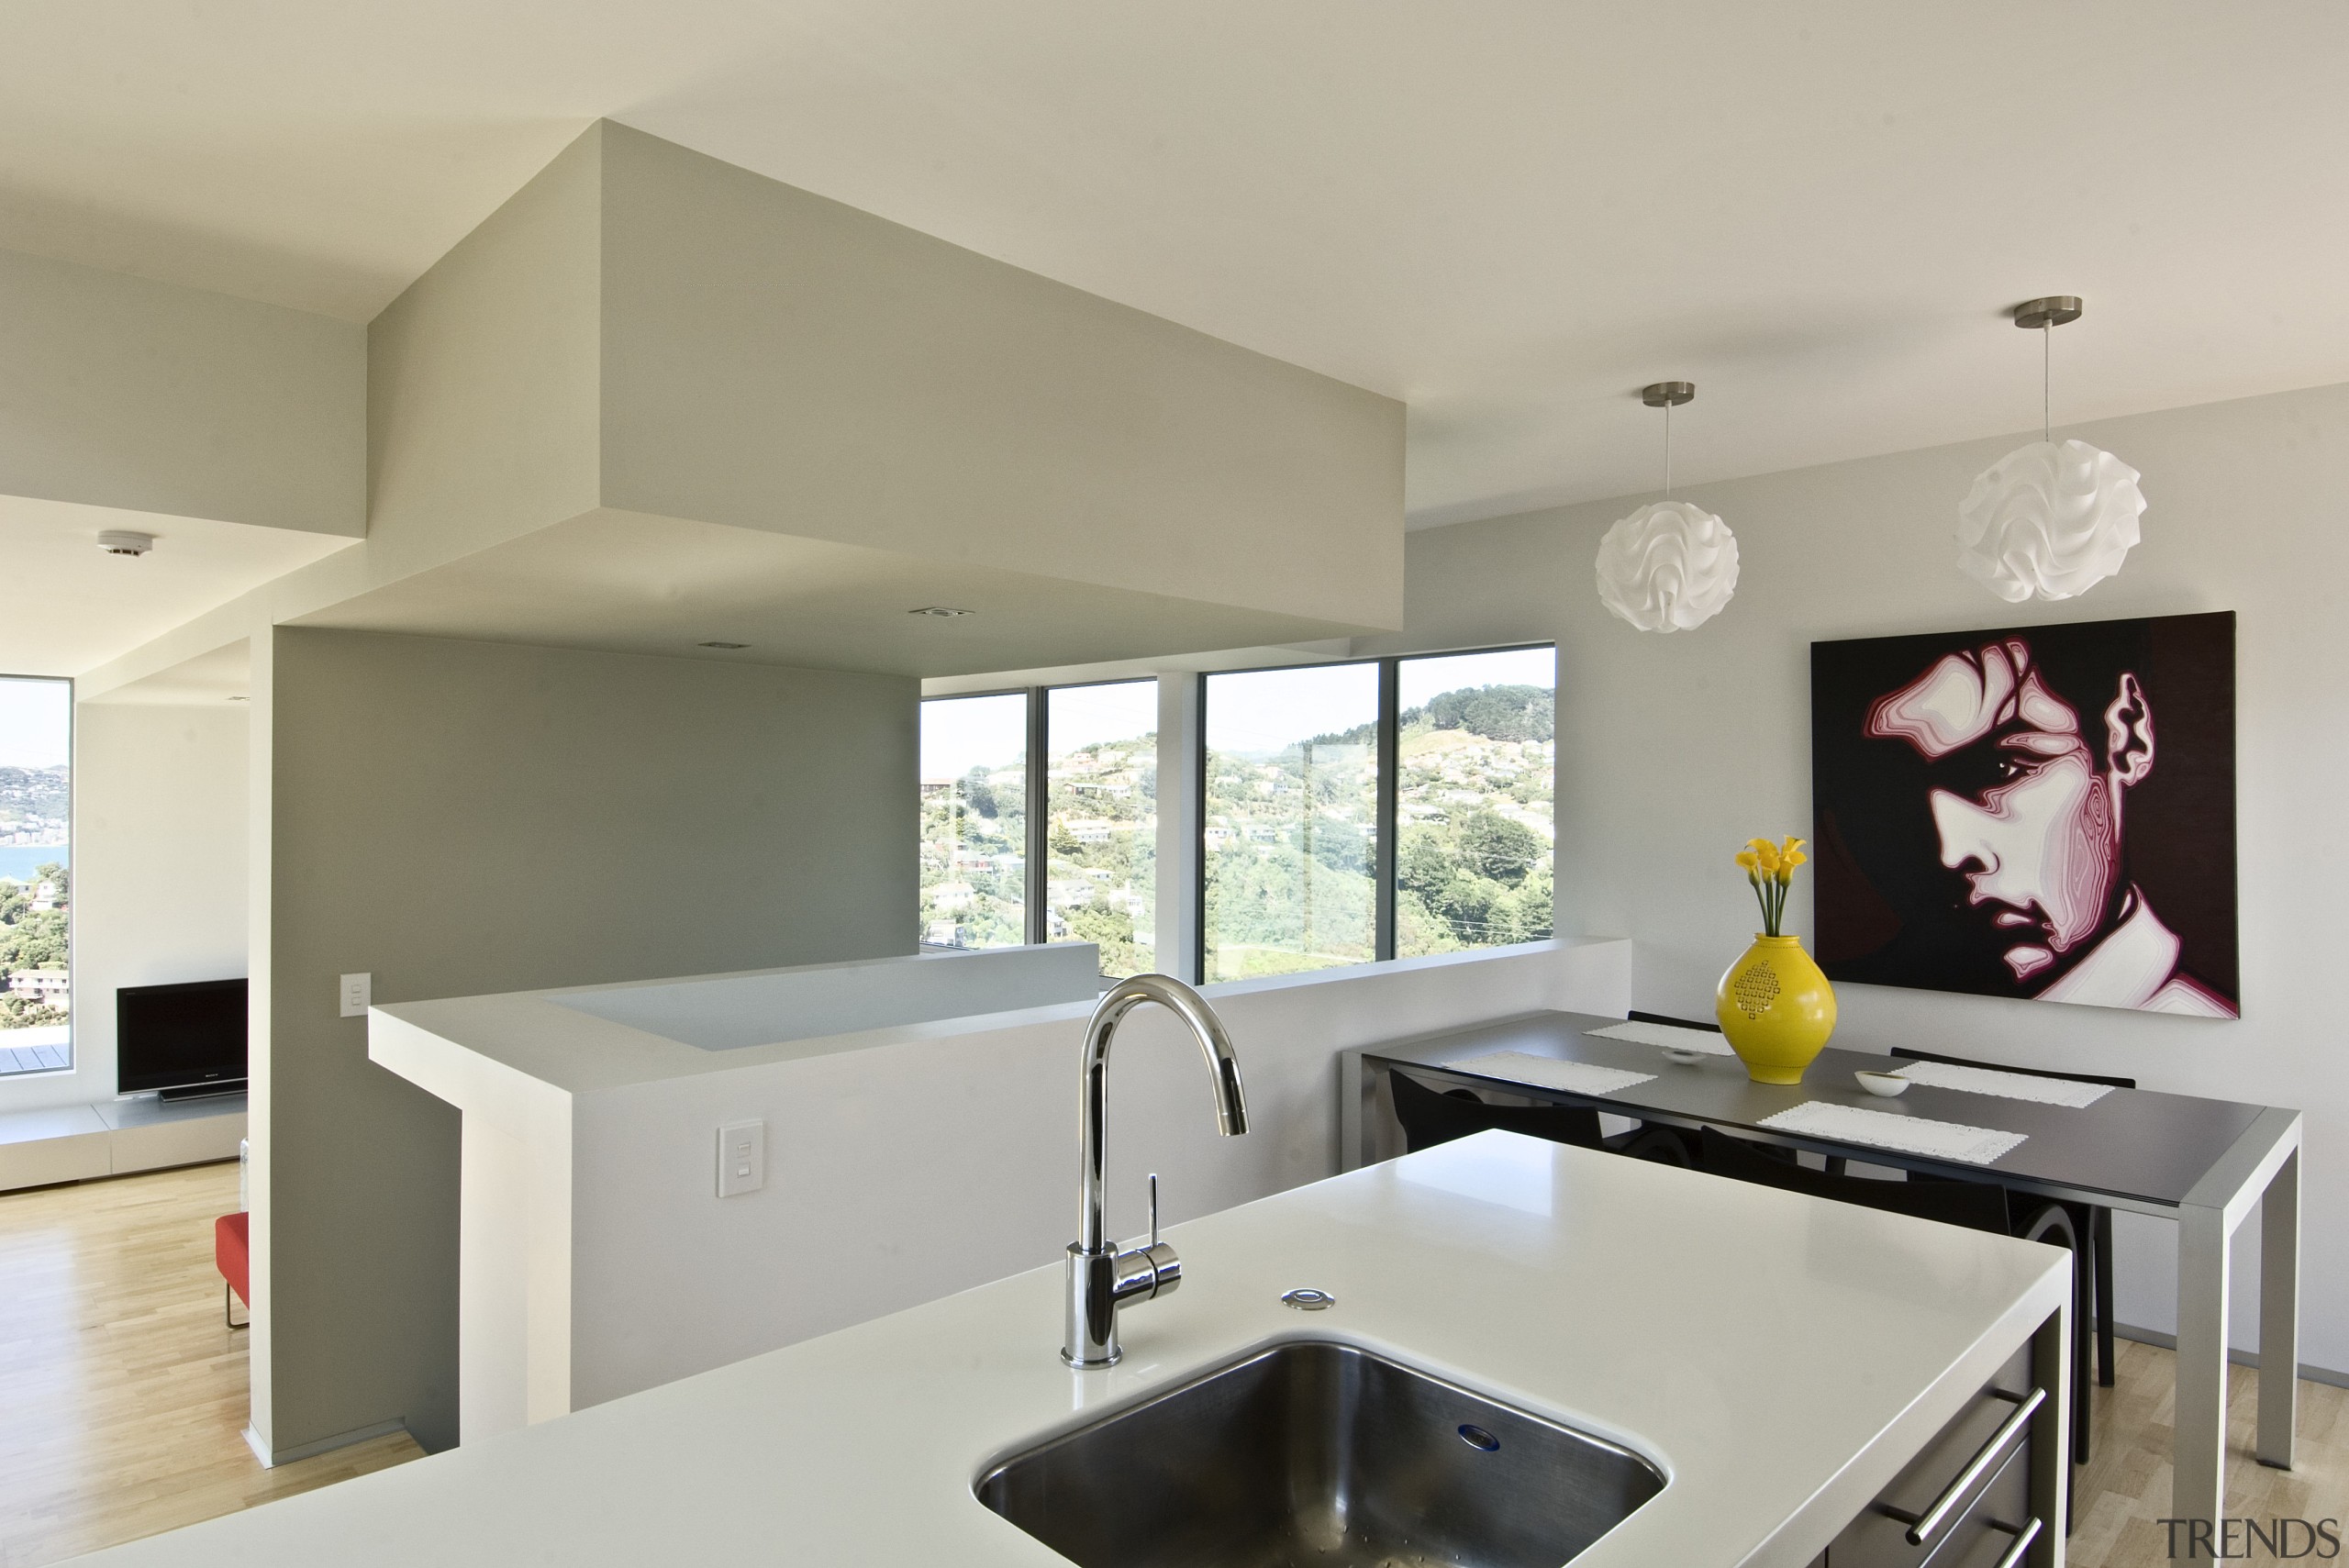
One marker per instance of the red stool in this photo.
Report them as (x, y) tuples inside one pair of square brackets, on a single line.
[(232, 1251)]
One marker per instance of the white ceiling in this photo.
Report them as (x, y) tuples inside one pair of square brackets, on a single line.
[(1509, 214), (74, 607)]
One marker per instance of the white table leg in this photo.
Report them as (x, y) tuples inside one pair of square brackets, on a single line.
[(2279, 1313), (2198, 1483)]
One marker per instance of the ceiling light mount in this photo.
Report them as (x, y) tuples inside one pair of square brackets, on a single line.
[(942, 612), (1668, 394), (2055, 310), (724, 647), (124, 542)]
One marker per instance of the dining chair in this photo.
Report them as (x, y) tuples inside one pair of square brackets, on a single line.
[(1430, 1116), (2093, 1220)]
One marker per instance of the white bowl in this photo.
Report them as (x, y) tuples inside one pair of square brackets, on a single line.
[(1885, 1084)]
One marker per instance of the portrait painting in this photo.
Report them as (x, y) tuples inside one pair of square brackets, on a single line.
[(2043, 812)]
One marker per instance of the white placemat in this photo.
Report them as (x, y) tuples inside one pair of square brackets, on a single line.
[(1672, 1037), (1574, 1077), (2005, 1085), (1887, 1130)]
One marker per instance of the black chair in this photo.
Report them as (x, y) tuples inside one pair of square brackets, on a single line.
[(1976, 1206), (2092, 1220), (1952, 1203), (1430, 1116)]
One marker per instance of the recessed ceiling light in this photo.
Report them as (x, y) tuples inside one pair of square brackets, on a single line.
[(940, 610), (122, 541), (729, 647)]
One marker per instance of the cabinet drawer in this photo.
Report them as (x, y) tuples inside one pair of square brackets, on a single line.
[(1879, 1537)]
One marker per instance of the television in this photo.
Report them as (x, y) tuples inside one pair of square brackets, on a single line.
[(182, 1040)]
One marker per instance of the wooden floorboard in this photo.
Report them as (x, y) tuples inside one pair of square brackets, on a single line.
[(123, 1396), (2124, 1491)]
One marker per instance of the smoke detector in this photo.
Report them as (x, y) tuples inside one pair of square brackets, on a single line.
[(122, 541)]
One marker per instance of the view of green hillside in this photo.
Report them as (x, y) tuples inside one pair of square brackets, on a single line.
[(32, 948)]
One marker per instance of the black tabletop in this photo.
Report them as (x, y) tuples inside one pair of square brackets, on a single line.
[(2135, 1146)]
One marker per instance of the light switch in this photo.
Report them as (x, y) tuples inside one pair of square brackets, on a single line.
[(742, 1158), (355, 989)]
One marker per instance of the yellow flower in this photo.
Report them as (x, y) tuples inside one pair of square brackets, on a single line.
[(1793, 858), (1766, 854), (1747, 859), (1792, 845)]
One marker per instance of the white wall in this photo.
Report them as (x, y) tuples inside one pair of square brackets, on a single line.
[(908, 1170), (158, 871), (1673, 749)]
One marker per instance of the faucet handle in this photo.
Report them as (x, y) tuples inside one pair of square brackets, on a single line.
[(1153, 1209)]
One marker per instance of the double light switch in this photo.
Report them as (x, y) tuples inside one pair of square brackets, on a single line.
[(742, 1158)]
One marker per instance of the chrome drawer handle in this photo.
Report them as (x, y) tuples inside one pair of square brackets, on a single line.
[(1921, 1526), (2023, 1537)]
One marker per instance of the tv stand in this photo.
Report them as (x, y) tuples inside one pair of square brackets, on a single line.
[(201, 1092), (114, 1138)]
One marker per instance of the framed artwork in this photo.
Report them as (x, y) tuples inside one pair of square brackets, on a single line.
[(2044, 812)]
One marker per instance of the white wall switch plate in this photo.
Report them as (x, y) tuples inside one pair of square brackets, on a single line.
[(742, 1158), (355, 990)]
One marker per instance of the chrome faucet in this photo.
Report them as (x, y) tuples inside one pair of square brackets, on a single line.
[(1101, 1278)]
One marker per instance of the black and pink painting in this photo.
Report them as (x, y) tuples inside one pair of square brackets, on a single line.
[(2044, 812)]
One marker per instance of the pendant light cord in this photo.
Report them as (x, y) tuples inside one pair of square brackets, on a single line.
[(1667, 451), (2047, 382)]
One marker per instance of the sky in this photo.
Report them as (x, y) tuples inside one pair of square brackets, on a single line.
[(35, 722), (1258, 711)]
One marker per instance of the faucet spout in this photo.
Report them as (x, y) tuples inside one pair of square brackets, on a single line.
[(1101, 1278)]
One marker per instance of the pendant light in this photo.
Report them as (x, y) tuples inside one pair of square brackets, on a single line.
[(2048, 519), (1670, 566)]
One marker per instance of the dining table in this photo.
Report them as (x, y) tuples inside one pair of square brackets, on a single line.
[(2204, 1164)]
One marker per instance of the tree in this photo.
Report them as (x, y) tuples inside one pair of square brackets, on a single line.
[(1495, 846)]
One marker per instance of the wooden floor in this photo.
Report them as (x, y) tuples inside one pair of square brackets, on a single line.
[(122, 1396), (2124, 1488)]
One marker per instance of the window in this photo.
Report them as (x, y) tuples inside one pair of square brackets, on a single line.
[(974, 822), (1289, 822), (36, 857), (1474, 822), (1101, 820)]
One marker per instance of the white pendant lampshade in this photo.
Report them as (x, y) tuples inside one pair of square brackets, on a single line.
[(2049, 520), (2052, 519), (1671, 565)]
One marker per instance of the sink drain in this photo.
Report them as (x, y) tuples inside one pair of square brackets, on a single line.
[(1476, 1437)]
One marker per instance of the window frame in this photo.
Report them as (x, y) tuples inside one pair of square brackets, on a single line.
[(1037, 787), (1030, 731), (1040, 798), (72, 899), (1389, 748)]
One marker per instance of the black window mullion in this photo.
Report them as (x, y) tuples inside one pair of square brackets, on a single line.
[(1039, 792), (1389, 743)]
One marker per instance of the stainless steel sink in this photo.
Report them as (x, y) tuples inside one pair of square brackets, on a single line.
[(1320, 1454)]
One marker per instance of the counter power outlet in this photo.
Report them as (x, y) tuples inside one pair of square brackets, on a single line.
[(742, 1158)]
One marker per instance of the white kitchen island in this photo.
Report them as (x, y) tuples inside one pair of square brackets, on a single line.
[(1778, 1358)]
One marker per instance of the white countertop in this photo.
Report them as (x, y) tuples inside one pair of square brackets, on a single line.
[(1776, 1356)]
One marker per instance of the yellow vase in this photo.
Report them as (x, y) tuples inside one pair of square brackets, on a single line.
[(1776, 1008)]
